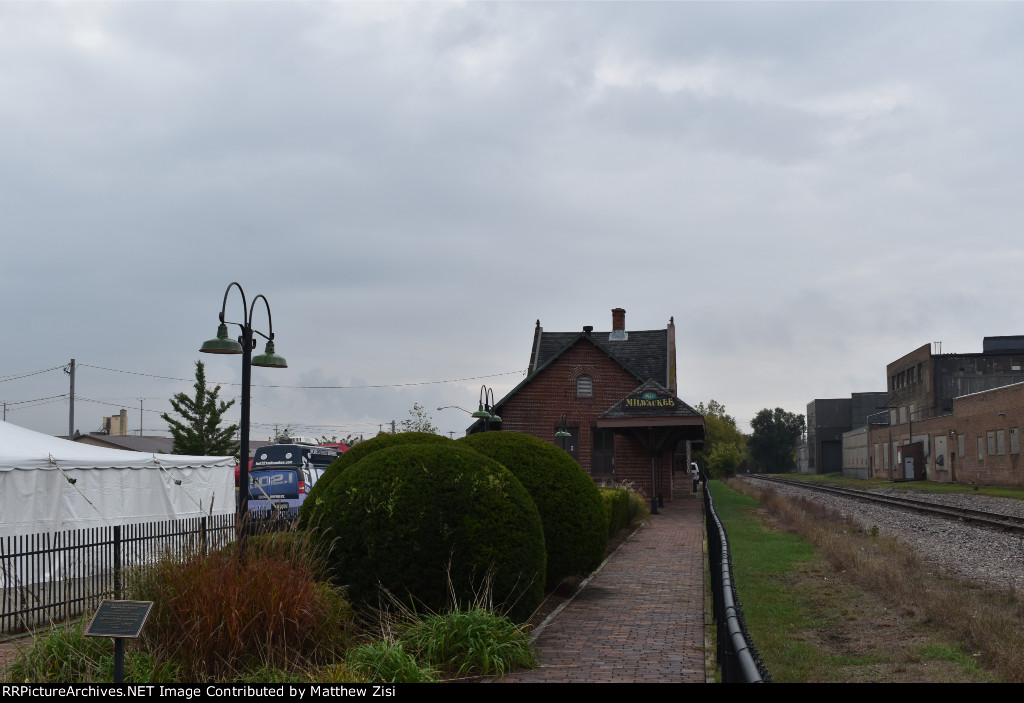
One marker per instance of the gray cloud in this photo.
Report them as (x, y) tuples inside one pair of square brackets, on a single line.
[(811, 189)]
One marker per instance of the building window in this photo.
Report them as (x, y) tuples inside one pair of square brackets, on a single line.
[(959, 445), (584, 387), (1001, 442), (981, 448), (1014, 440), (991, 442), (603, 457)]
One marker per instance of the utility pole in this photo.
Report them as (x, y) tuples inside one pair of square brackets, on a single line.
[(140, 417), (70, 370), (392, 427)]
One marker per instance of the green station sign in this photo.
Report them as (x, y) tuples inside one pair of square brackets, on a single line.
[(648, 400)]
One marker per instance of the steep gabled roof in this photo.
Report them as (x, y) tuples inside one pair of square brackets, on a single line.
[(612, 349), (643, 352)]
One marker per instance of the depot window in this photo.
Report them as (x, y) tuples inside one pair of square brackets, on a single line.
[(584, 387)]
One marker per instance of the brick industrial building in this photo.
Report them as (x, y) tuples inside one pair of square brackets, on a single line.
[(950, 417), (979, 442), (617, 393)]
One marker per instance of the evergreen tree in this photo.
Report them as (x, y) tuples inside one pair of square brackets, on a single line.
[(199, 431)]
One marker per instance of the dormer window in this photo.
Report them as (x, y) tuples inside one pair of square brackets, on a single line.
[(584, 387)]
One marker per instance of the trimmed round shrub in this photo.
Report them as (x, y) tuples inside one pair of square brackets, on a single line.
[(570, 506), (433, 521), (360, 450)]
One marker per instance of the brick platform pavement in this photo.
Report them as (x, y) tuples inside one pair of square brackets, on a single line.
[(641, 617)]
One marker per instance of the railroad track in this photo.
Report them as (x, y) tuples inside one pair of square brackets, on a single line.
[(982, 518)]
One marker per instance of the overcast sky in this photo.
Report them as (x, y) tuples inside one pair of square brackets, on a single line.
[(811, 190)]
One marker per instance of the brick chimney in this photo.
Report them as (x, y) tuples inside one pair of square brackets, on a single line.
[(618, 325)]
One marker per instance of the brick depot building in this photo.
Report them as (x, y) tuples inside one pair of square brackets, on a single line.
[(617, 393)]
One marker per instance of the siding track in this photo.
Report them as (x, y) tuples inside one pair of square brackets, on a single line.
[(981, 518)]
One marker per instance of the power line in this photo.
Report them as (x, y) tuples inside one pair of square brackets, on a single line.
[(114, 405), (40, 401), (30, 373), (263, 385)]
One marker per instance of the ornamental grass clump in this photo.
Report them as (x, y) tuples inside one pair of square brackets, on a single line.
[(469, 643), (570, 507), (387, 661), (65, 655), (414, 519), (220, 616)]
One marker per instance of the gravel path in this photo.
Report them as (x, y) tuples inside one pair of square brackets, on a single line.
[(986, 556)]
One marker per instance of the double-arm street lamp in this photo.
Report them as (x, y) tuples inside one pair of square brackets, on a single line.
[(244, 345), (562, 433), (486, 405)]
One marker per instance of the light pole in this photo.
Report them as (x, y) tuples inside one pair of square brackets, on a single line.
[(562, 433), (486, 403), (244, 346), (445, 407)]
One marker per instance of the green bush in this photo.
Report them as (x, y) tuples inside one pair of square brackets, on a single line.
[(434, 522), (616, 506), (623, 507), (358, 452), (570, 507)]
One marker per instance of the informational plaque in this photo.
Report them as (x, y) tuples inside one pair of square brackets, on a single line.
[(119, 618)]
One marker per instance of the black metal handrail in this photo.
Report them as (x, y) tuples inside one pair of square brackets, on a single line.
[(737, 656)]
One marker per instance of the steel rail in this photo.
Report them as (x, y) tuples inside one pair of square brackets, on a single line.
[(983, 518)]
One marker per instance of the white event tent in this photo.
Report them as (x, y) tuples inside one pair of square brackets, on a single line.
[(49, 484)]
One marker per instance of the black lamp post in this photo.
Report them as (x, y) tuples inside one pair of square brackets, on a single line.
[(486, 403), (244, 346), (562, 433)]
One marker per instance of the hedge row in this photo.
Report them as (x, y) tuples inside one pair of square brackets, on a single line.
[(616, 508)]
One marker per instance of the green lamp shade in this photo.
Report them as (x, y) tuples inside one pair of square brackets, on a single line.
[(495, 418), (562, 433), (221, 345), (269, 358), (481, 413)]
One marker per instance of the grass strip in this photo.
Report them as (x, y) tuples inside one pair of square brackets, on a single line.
[(826, 602), (761, 559)]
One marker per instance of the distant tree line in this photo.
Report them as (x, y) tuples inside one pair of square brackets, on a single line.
[(770, 448)]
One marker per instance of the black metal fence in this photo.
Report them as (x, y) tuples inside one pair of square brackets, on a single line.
[(737, 657), (52, 577)]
